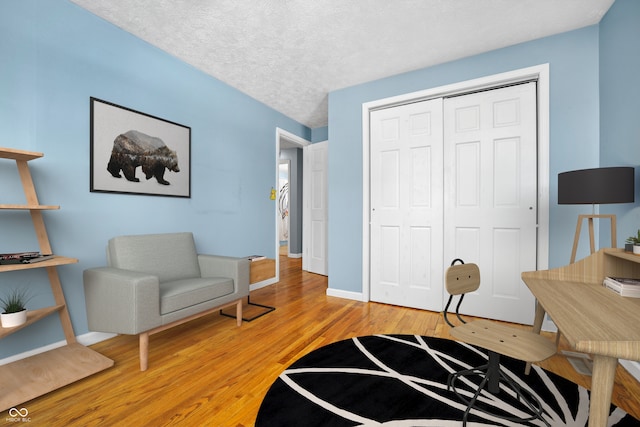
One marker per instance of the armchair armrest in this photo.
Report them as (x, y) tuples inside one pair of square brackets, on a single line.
[(121, 301), (224, 266)]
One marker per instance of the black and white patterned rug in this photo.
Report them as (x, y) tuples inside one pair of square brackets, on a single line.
[(401, 380)]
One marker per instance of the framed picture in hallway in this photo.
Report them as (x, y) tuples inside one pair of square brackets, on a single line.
[(137, 153)]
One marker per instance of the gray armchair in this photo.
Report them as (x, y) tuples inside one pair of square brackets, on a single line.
[(156, 281)]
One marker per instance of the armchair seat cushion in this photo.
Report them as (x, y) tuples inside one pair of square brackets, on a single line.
[(183, 293)]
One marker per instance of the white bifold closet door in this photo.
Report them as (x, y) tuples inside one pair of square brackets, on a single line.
[(455, 178), (406, 205), (490, 206)]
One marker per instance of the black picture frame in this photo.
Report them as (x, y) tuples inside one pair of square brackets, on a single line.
[(136, 153)]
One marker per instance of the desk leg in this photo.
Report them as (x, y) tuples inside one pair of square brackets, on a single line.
[(604, 372), (537, 327)]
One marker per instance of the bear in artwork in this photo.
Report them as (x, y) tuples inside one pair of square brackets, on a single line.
[(133, 149)]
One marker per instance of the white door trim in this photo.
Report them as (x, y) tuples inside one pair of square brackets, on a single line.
[(281, 134), (539, 73)]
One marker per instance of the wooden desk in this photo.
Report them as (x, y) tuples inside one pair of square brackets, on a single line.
[(593, 319)]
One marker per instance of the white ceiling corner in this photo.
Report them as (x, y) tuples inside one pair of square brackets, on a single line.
[(289, 54)]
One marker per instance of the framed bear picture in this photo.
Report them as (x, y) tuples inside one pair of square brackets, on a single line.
[(133, 152)]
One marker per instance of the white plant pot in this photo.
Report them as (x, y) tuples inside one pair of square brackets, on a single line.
[(11, 320), (636, 249)]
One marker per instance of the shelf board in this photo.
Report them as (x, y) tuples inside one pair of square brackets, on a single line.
[(34, 376), (620, 253), (53, 262), (15, 154), (32, 317), (30, 207)]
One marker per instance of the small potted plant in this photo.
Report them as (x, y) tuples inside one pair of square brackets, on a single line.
[(635, 241), (13, 308)]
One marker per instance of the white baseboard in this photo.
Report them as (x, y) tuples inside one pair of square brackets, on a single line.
[(91, 338), (294, 255), (633, 368), (85, 339), (345, 294)]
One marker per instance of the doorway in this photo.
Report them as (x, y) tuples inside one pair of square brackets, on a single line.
[(288, 201), (283, 206)]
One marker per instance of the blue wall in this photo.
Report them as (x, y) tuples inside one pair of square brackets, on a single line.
[(55, 56), (320, 134), (620, 104), (574, 135)]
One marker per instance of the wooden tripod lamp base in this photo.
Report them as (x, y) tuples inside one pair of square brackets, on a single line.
[(591, 233)]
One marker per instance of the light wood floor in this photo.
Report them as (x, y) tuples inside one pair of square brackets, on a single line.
[(210, 372)]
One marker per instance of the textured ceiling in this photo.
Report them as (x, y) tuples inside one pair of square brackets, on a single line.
[(289, 54)]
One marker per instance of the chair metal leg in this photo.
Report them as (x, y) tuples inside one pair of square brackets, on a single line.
[(492, 376), (249, 319)]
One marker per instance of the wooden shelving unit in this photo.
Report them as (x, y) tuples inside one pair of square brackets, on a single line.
[(28, 378)]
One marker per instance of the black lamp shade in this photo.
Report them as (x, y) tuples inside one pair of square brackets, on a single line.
[(596, 186)]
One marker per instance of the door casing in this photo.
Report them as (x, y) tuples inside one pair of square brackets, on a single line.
[(540, 73), (282, 137)]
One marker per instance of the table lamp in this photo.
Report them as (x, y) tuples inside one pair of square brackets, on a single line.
[(595, 186)]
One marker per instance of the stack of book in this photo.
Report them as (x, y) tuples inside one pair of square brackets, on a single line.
[(625, 287), (23, 258)]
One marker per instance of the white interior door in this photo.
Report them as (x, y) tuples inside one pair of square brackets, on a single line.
[(490, 158), (406, 205), (314, 233)]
